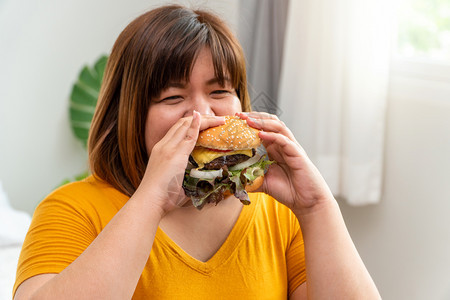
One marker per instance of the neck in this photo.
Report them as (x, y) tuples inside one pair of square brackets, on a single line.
[(188, 211)]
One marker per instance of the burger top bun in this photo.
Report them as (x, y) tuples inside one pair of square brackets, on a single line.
[(235, 134)]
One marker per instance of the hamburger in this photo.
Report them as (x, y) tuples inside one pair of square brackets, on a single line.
[(226, 161)]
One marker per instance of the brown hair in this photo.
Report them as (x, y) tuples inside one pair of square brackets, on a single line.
[(158, 47)]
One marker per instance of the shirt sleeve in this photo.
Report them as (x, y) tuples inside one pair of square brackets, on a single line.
[(59, 232), (295, 256)]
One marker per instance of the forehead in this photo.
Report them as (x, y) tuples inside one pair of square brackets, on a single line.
[(204, 71), (180, 68)]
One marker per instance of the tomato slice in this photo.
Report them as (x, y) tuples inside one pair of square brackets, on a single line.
[(217, 150)]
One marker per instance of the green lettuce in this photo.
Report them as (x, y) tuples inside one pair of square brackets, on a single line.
[(202, 191)]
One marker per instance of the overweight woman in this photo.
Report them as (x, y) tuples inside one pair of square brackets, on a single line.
[(121, 233)]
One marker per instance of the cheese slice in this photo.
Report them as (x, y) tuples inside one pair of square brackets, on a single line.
[(202, 155)]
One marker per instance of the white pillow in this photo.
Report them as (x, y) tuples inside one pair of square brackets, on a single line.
[(13, 223)]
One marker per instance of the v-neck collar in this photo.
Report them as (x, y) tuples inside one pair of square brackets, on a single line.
[(231, 244)]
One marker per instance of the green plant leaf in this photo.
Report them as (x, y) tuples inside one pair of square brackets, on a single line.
[(83, 98), (100, 65)]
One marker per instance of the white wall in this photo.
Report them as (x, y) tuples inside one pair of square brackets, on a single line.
[(405, 240), (43, 45)]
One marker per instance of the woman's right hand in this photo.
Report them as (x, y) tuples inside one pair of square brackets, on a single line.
[(164, 175)]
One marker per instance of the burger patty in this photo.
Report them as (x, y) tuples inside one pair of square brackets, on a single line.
[(227, 160)]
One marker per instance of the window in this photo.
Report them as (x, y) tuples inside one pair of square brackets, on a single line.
[(424, 30), (422, 41)]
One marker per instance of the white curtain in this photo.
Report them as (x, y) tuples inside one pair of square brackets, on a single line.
[(333, 90), (262, 25)]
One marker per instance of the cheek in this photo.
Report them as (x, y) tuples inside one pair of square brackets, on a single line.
[(156, 126), (237, 105), (229, 108)]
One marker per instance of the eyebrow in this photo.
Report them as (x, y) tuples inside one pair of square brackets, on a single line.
[(211, 81), (175, 84), (216, 80)]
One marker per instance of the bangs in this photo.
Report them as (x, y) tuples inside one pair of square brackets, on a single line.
[(158, 48), (176, 52)]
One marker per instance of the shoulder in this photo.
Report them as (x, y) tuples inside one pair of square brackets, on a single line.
[(89, 190), (88, 186), (88, 199)]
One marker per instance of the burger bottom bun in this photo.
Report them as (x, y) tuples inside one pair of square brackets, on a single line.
[(255, 184), (249, 187), (227, 193)]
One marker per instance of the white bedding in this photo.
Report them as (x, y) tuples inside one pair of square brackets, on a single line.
[(13, 228), (8, 263)]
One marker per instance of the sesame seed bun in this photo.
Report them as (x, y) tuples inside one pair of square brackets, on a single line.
[(235, 134)]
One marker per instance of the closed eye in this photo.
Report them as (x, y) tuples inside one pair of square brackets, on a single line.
[(221, 92), (172, 99)]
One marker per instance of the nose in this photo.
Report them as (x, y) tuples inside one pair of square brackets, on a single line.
[(201, 104)]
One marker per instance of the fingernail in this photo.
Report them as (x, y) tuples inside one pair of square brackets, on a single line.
[(194, 115)]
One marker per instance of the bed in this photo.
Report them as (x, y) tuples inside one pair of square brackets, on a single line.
[(8, 262), (13, 228)]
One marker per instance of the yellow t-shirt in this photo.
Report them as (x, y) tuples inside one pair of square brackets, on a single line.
[(262, 258)]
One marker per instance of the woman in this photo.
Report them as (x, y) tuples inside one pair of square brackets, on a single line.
[(122, 233)]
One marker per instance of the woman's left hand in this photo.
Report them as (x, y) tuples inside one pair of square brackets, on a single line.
[(293, 180)]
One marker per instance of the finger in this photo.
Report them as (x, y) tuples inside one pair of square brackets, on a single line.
[(187, 131), (288, 146), (178, 131), (192, 132), (270, 124), (258, 119), (258, 115), (170, 135), (199, 122), (211, 121)]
